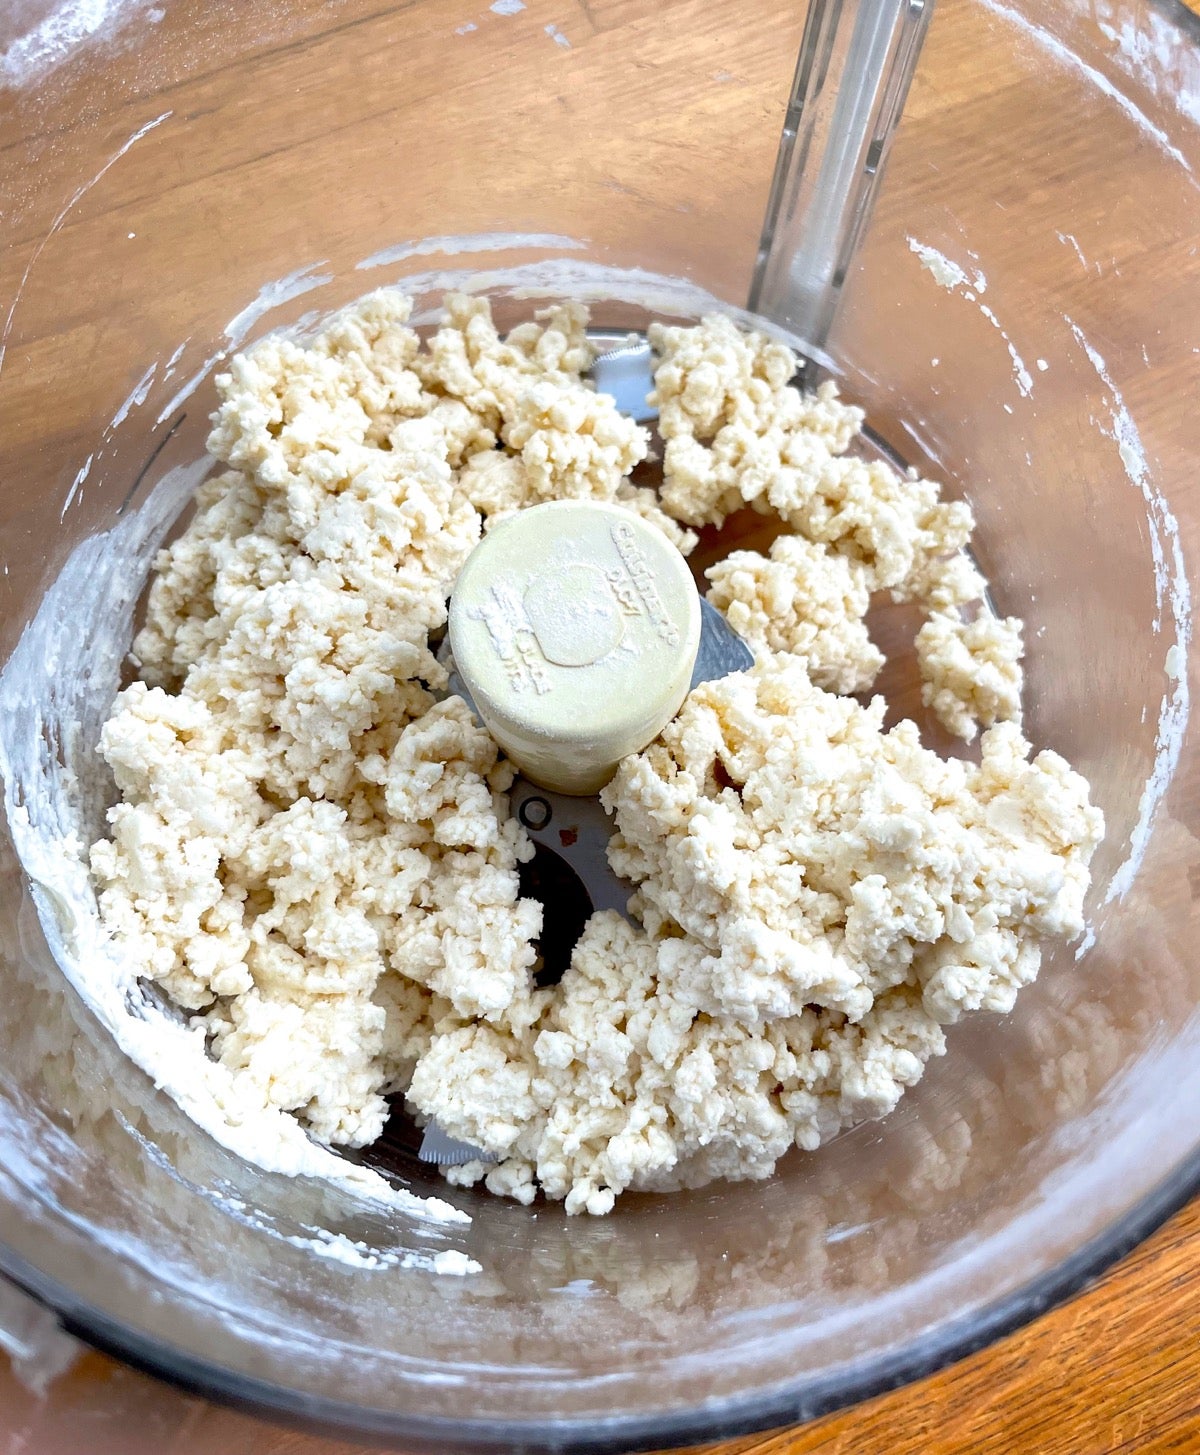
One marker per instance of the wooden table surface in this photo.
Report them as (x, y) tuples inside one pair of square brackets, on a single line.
[(1114, 1371), (1117, 1369)]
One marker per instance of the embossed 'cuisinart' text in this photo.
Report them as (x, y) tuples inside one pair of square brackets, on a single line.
[(643, 581)]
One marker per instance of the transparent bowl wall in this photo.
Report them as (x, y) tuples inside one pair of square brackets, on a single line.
[(168, 175)]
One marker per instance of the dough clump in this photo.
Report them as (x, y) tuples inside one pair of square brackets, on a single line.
[(817, 899), (739, 434), (312, 854)]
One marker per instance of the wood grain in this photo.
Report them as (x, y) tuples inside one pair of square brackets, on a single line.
[(1115, 1370)]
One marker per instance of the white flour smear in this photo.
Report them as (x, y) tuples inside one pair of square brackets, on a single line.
[(37, 39), (1095, 79), (1154, 50), (1172, 592), (952, 276)]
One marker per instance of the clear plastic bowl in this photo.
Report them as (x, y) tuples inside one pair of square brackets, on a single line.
[(191, 176)]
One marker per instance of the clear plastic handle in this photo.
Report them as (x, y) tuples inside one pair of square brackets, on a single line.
[(856, 60)]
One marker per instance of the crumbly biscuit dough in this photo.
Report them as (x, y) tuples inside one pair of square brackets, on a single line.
[(312, 854)]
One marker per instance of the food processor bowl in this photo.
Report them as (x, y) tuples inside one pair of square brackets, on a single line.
[(1019, 323)]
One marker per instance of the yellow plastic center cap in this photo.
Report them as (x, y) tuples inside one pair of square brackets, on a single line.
[(574, 626)]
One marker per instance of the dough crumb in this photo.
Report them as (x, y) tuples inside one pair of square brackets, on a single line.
[(732, 423), (803, 600), (971, 671)]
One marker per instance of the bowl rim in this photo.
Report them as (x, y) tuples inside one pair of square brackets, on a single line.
[(799, 1403)]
